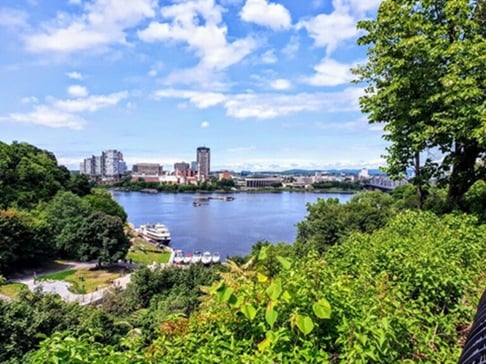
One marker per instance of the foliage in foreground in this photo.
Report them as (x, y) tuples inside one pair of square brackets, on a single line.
[(398, 295)]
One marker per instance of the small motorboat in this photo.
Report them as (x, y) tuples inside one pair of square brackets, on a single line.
[(178, 257), (187, 258), (206, 258), (196, 257), (215, 258)]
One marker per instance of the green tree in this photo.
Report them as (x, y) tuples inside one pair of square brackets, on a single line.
[(102, 237), (28, 175), (24, 241), (426, 78), (65, 213), (80, 184), (328, 221), (101, 200)]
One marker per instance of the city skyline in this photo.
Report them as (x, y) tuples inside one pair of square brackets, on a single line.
[(266, 84)]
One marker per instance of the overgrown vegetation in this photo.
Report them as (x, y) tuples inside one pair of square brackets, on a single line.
[(372, 281)]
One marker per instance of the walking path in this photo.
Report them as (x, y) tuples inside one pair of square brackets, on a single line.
[(62, 288)]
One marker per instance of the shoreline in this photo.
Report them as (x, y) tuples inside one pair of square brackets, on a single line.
[(256, 190)]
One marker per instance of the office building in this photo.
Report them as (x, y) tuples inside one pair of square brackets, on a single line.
[(203, 159), (147, 169)]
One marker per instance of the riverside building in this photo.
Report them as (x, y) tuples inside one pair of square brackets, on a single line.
[(203, 160)]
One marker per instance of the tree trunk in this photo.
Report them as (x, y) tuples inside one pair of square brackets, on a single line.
[(420, 195), (463, 173)]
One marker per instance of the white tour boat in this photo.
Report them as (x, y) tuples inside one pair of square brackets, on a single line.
[(156, 233)]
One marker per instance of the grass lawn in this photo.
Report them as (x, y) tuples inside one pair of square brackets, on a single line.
[(12, 290), (142, 252), (85, 280)]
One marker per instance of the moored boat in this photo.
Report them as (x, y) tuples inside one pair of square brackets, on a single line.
[(178, 257), (187, 258), (155, 233), (215, 258), (206, 258), (196, 257)]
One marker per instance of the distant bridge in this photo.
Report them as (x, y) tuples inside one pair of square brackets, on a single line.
[(383, 183)]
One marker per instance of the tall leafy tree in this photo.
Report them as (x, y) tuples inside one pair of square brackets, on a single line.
[(28, 175), (426, 80), (101, 237)]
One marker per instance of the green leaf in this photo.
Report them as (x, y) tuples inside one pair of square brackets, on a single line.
[(261, 277), (249, 311), (271, 316), (286, 297), (275, 289), (304, 323), (262, 255), (224, 294), (285, 263), (322, 309)]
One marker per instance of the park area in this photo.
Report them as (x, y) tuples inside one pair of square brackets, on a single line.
[(84, 278)]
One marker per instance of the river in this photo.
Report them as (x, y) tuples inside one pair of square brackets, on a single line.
[(227, 227)]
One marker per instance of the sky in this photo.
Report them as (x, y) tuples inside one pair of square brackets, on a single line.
[(265, 84)]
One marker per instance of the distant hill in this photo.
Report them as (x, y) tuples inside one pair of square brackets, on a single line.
[(311, 172)]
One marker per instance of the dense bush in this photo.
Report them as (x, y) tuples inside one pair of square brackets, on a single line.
[(399, 295)]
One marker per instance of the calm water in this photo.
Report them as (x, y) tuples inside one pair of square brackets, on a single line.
[(228, 227)]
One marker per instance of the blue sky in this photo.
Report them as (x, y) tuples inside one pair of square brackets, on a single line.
[(264, 84)]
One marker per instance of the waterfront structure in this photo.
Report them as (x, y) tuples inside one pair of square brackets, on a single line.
[(147, 169), (253, 182), (203, 159)]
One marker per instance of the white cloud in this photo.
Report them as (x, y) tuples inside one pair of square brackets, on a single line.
[(202, 100), (64, 113), (198, 23), (292, 47), (47, 116), (281, 84), (91, 103), (204, 124), (271, 15), (269, 57), (102, 23), (330, 73), (155, 69), (268, 106), (13, 18), (331, 30), (29, 100), (77, 91), (75, 75)]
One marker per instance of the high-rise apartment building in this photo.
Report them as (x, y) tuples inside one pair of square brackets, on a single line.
[(203, 159), (109, 165)]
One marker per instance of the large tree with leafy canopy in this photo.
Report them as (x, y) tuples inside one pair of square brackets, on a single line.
[(426, 80)]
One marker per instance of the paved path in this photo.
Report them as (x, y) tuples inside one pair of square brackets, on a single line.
[(62, 288)]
